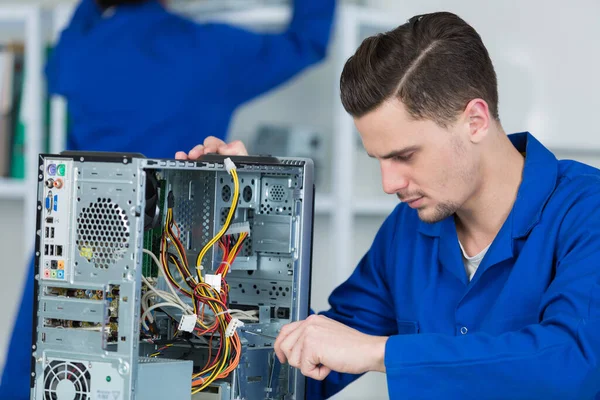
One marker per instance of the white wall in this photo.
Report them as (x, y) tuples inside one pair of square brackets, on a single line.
[(12, 268), (546, 57)]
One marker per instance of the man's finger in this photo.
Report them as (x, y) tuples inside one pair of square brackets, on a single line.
[(317, 372), (237, 148), (288, 345), (196, 152), (210, 149), (181, 155), (312, 362), (295, 354), (213, 143), (283, 334)]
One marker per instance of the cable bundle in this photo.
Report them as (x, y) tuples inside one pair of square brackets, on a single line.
[(208, 294)]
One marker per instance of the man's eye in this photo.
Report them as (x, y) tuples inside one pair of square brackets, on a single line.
[(404, 158)]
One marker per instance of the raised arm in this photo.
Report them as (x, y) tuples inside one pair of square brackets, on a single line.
[(252, 63)]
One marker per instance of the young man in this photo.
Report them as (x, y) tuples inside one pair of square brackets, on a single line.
[(484, 283), (140, 79)]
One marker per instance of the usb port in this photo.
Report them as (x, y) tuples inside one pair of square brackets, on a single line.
[(47, 233), (59, 251), (51, 233), (46, 250), (51, 250)]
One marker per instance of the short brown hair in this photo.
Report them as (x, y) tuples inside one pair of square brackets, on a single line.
[(435, 64)]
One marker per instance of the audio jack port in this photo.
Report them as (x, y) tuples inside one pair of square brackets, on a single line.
[(58, 183), (50, 183)]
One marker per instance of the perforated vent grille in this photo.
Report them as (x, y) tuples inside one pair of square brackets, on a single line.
[(267, 208), (102, 233), (206, 206), (193, 216), (276, 193), (184, 214)]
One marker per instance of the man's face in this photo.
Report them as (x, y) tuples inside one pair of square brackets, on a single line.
[(433, 169)]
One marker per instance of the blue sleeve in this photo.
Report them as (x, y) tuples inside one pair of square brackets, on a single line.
[(86, 13), (15, 383), (253, 63), (558, 358), (363, 303)]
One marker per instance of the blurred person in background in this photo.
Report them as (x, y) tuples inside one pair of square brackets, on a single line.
[(138, 78)]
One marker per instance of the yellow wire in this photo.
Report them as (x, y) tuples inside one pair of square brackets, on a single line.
[(233, 252), (207, 291), (169, 219), (220, 369), (234, 201)]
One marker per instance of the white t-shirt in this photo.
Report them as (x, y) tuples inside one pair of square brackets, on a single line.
[(472, 263)]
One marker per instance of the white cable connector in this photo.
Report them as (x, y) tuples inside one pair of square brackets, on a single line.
[(214, 281), (229, 165), (237, 228), (188, 323), (233, 325)]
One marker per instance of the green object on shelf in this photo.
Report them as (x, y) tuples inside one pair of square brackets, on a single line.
[(17, 162), (17, 165)]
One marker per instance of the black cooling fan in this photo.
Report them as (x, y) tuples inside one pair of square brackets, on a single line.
[(64, 380), (151, 212)]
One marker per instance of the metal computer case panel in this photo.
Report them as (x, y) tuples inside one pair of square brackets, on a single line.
[(91, 217)]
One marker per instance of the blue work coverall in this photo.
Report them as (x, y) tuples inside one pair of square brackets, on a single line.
[(144, 80), (527, 326)]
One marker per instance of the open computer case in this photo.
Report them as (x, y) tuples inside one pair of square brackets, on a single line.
[(167, 279)]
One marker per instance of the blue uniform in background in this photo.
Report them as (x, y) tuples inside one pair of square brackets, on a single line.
[(144, 80), (528, 324)]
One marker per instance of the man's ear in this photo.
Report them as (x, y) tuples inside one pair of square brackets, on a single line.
[(477, 119)]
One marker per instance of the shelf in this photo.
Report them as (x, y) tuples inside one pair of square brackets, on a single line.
[(16, 12), (269, 15), (13, 189)]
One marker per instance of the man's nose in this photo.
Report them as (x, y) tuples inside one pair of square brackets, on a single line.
[(393, 179)]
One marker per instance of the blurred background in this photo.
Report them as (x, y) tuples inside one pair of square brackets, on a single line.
[(546, 57)]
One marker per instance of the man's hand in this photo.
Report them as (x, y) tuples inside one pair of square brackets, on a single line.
[(214, 145), (319, 345)]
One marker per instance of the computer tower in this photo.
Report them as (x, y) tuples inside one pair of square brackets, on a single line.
[(169, 279)]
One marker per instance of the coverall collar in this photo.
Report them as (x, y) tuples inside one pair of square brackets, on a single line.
[(539, 180)]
